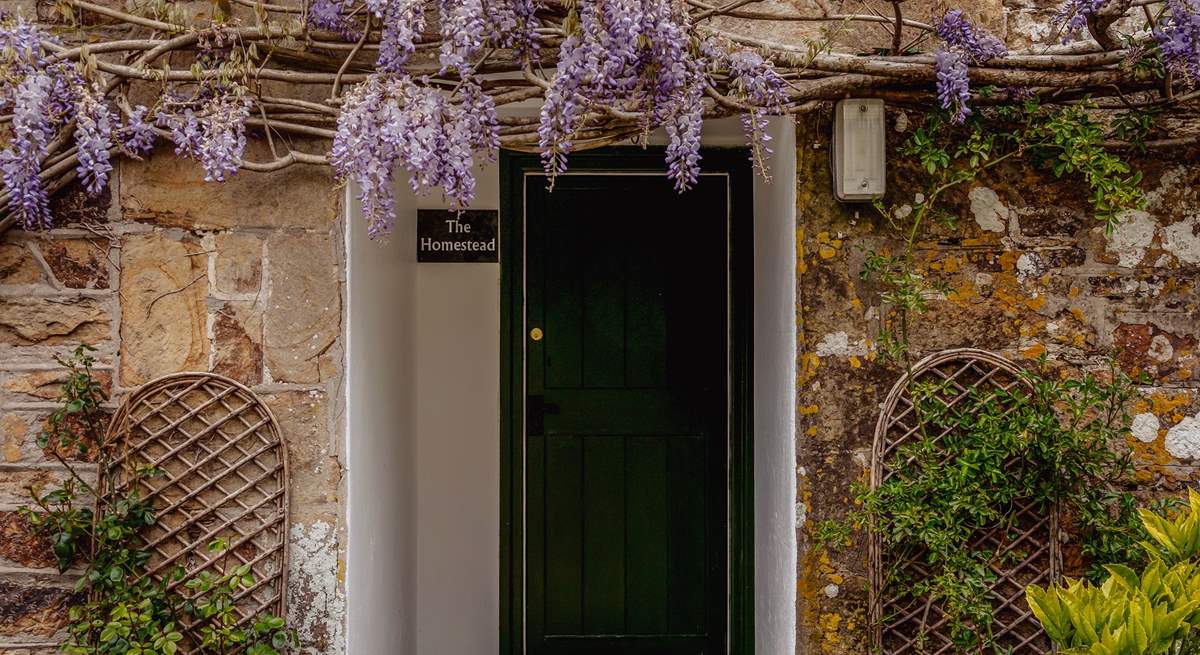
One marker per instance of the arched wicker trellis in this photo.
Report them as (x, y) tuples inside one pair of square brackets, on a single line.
[(224, 474), (898, 620)]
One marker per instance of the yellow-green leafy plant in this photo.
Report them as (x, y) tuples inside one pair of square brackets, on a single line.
[(1152, 613)]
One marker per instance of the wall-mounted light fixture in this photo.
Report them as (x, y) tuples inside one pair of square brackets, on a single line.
[(859, 154)]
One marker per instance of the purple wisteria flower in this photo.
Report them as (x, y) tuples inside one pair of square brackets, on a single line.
[(757, 80), (43, 95), (328, 15), (390, 120), (93, 136), (462, 34), (137, 137), (479, 114), (683, 140), (757, 83), (1178, 37), (678, 78), (957, 33), (21, 46), (401, 21), (511, 24), (20, 163), (215, 135), (953, 86), (962, 44), (563, 106), (633, 55), (1072, 16)]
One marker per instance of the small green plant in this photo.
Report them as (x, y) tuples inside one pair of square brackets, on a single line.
[(219, 629), (120, 609), (1153, 612)]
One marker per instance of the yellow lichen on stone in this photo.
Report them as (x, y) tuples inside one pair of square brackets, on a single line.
[(1165, 406), (963, 293), (831, 639), (801, 266), (1150, 459), (809, 363)]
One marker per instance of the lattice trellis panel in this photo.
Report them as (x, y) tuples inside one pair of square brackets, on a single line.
[(912, 626), (224, 475)]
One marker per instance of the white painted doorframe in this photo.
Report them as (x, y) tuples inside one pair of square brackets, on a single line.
[(422, 423)]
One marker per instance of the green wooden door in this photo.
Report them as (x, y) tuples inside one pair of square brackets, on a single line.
[(627, 416)]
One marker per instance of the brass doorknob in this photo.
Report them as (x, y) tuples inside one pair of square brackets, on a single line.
[(536, 334)]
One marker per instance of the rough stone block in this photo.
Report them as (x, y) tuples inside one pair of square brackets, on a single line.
[(237, 263), (18, 436), (50, 321), (170, 191), (316, 472), (28, 609), (237, 342), (163, 316), (43, 385), (77, 263), (14, 484), (17, 265), (21, 544), (303, 317)]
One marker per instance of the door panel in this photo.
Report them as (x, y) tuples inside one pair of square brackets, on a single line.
[(626, 446)]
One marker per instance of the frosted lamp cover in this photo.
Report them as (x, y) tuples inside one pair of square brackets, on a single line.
[(859, 154)]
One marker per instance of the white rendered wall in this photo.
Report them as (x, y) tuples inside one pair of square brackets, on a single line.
[(381, 432), (423, 403), (457, 381)]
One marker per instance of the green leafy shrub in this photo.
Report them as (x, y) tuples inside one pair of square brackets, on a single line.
[(975, 460), (1151, 613)]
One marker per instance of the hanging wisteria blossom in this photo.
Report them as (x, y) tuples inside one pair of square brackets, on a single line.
[(214, 134), (44, 95), (963, 44), (1178, 36), (1072, 16), (390, 121)]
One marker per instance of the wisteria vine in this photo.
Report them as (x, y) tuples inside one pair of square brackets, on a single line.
[(422, 85)]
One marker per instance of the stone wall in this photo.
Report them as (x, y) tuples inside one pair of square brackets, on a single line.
[(170, 273), (1031, 272)]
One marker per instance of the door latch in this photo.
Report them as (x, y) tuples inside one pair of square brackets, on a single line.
[(536, 409)]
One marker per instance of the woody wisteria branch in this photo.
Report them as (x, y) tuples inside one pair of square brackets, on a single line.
[(432, 86)]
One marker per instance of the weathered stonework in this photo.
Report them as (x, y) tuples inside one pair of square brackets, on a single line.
[(177, 274), (237, 342), (77, 263), (17, 265), (163, 314), (51, 321), (303, 315), (1030, 271), (170, 191)]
